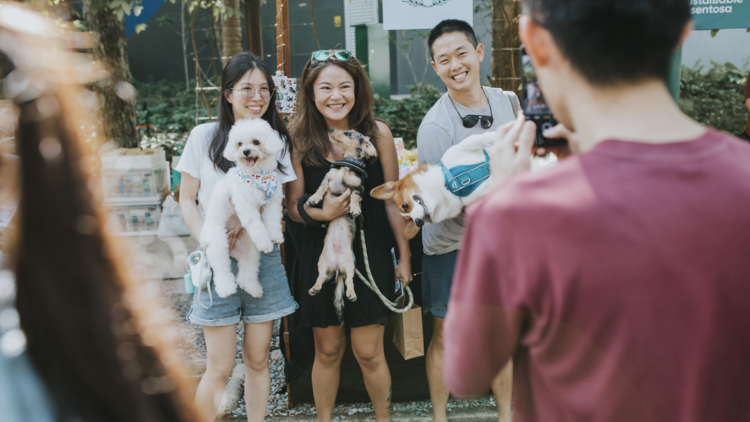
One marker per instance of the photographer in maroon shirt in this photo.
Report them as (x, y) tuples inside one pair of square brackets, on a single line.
[(619, 280), (746, 134)]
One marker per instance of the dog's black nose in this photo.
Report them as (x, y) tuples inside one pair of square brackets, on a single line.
[(246, 153), (419, 222)]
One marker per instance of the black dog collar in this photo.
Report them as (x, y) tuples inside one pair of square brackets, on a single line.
[(352, 164)]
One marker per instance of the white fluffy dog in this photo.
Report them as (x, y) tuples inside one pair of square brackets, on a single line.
[(251, 193)]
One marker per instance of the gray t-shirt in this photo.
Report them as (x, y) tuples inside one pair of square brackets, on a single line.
[(441, 129)]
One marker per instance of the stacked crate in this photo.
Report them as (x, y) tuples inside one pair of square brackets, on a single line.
[(135, 183)]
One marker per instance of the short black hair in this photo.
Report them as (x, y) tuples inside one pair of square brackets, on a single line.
[(451, 25), (613, 42)]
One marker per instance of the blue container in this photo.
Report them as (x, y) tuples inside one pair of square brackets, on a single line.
[(189, 288)]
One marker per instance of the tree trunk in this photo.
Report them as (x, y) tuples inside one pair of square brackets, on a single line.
[(118, 113), (231, 33), (184, 43), (252, 27), (505, 64)]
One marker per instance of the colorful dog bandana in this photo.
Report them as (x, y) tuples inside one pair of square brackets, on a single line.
[(264, 180)]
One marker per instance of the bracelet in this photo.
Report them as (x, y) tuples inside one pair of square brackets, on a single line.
[(302, 213)]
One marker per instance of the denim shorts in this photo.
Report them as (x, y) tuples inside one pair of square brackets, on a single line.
[(437, 277), (276, 302)]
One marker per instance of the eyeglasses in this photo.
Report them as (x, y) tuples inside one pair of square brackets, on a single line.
[(248, 92), (325, 55), (471, 120)]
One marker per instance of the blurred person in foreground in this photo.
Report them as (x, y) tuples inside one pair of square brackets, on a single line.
[(746, 134), (78, 343), (617, 280)]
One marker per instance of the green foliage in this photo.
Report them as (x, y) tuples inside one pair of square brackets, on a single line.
[(217, 7), (170, 109), (405, 116), (715, 96)]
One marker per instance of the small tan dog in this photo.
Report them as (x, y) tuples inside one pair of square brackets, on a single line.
[(337, 259)]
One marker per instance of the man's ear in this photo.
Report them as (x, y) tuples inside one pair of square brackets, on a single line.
[(480, 51), (685, 33), (410, 229), (384, 192), (536, 40)]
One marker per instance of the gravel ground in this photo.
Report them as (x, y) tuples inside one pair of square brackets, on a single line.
[(192, 345)]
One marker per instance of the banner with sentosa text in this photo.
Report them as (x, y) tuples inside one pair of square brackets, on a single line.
[(720, 14)]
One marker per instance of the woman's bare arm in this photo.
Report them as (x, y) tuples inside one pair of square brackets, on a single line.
[(389, 161), (333, 206), (188, 205)]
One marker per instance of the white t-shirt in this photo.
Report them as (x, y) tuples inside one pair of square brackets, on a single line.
[(196, 162)]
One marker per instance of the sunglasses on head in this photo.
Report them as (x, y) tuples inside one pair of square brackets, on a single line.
[(325, 55)]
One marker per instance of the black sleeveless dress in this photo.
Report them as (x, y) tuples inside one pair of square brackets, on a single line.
[(318, 310)]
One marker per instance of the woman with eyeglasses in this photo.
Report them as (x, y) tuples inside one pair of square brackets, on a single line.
[(335, 93), (247, 91)]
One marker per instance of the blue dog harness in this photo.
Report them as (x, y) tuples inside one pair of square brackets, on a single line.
[(463, 180), (264, 180)]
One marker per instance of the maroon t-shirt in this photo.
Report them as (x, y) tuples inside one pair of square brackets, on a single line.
[(747, 96), (620, 283)]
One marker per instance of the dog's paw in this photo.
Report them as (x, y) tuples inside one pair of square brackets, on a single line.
[(314, 200), (277, 237), (314, 290), (264, 245), (351, 295), (226, 289), (255, 290)]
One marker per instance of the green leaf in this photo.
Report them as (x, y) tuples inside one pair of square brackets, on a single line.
[(714, 32), (120, 14), (140, 28), (137, 10)]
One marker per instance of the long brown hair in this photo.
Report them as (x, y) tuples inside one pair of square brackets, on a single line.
[(309, 129), (86, 334)]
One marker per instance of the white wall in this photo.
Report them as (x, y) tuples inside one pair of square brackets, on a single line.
[(729, 45)]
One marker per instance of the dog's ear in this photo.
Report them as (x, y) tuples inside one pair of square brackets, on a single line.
[(384, 192), (410, 229)]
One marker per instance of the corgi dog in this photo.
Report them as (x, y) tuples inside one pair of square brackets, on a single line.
[(433, 193)]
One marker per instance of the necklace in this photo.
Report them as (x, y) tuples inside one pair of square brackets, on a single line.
[(471, 120)]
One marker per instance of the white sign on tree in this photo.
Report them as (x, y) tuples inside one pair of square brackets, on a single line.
[(424, 14)]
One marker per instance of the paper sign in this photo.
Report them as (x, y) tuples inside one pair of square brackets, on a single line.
[(425, 14), (720, 14), (286, 93)]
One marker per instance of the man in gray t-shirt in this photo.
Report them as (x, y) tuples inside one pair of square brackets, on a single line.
[(456, 56)]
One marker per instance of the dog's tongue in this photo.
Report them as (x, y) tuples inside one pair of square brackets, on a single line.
[(250, 161)]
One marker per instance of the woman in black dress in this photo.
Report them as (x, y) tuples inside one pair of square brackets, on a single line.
[(336, 93)]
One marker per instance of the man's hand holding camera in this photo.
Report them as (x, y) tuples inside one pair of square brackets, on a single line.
[(511, 154)]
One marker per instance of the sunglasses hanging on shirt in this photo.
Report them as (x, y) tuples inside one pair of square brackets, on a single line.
[(471, 120)]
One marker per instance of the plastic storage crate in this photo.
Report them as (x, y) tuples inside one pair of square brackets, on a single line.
[(134, 159), (136, 219), (134, 186), (135, 176)]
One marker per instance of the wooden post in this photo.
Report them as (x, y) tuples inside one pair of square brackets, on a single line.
[(283, 64), (505, 60), (252, 27), (282, 37)]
